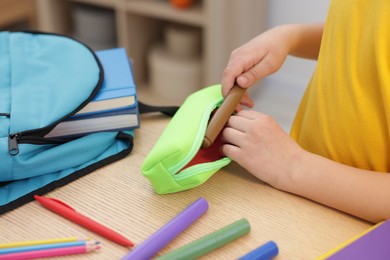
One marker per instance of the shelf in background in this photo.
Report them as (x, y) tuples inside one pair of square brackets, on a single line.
[(224, 25), (163, 10), (101, 3), (15, 13)]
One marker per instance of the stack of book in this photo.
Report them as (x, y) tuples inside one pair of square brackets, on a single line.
[(114, 108)]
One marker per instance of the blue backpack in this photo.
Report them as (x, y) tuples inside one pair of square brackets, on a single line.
[(44, 79)]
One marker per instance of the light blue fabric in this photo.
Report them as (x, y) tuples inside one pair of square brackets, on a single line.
[(17, 189), (5, 84), (53, 67), (43, 78)]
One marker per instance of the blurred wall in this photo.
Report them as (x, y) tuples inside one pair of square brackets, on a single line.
[(279, 94)]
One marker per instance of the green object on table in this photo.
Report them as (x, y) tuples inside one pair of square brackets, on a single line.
[(210, 242), (180, 143)]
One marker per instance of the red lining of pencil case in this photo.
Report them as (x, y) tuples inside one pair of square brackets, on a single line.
[(210, 154)]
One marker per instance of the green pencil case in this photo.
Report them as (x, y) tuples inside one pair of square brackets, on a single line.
[(177, 162)]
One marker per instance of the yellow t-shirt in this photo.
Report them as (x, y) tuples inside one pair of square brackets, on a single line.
[(345, 112)]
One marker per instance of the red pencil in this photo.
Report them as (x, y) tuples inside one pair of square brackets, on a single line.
[(71, 214)]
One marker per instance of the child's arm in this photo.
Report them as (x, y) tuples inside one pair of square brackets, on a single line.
[(259, 144), (305, 40), (362, 193)]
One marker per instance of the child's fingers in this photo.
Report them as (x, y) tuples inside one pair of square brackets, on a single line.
[(238, 123), (262, 69), (246, 100), (232, 136)]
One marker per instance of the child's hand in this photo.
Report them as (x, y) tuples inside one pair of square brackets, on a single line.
[(256, 59), (256, 142)]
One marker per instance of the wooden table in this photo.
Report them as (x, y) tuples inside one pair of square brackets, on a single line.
[(119, 196)]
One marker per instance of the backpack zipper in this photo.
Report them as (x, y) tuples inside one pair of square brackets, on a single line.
[(19, 137), (13, 147)]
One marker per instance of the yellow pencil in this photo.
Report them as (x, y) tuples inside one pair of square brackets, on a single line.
[(40, 242)]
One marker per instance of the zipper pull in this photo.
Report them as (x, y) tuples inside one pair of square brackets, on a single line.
[(13, 148), (5, 114)]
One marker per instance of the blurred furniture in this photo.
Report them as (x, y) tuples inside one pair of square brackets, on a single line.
[(14, 12), (224, 25)]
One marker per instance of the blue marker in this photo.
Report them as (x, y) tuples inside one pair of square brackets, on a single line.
[(265, 252)]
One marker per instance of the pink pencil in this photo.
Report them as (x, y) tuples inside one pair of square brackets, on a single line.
[(50, 252)]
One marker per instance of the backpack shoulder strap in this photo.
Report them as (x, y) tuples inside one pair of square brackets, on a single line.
[(167, 110)]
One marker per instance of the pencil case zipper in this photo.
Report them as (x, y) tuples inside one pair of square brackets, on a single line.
[(195, 169), (176, 171)]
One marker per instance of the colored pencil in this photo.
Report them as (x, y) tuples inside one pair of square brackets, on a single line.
[(47, 246), (39, 242), (50, 252)]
